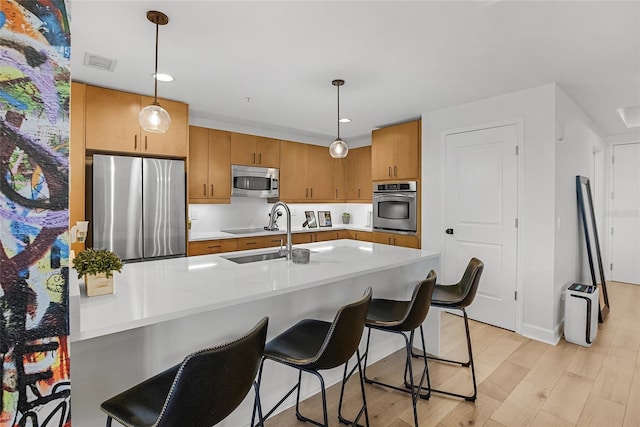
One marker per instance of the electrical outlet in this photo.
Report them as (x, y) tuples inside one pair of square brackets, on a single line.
[(293, 212), (194, 214)]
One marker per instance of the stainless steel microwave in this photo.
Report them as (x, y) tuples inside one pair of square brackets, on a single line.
[(395, 207), (249, 181)]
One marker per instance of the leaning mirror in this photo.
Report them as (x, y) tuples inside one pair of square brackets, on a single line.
[(588, 219)]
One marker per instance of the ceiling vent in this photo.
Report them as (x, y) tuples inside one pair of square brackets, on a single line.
[(99, 62)]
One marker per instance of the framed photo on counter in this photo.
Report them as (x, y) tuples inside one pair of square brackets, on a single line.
[(311, 219), (324, 218)]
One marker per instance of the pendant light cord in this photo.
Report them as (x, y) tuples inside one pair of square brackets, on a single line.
[(155, 76), (338, 86)]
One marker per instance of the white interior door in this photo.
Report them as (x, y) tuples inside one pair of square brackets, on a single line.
[(625, 214), (481, 189)]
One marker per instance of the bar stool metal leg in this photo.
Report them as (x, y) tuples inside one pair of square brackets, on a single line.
[(345, 377), (468, 364)]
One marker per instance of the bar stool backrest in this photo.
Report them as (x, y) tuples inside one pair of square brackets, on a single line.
[(468, 285), (419, 304), (212, 382), (344, 335)]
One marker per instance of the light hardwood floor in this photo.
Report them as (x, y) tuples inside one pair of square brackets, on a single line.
[(521, 382)]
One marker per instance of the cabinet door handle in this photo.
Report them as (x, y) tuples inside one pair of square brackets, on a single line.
[(336, 193), (145, 143), (312, 193), (306, 192), (395, 171), (252, 243), (254, 158), (214, 247), (211, 190), (135, 142), (358, 193), (388, 240), (389, 171), (394, 241), (260, 158), (204, 189)]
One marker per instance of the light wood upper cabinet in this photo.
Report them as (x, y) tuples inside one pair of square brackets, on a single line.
[(339, 179), (251, 150), (174, 141), (76, 158), (111, 124), (209, 167), (396, 152), (294, 158), (112, 120), (320, 173), (358, 175), (306, 173)]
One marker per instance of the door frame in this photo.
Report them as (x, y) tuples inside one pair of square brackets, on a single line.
[(608, 220), (519, 123)]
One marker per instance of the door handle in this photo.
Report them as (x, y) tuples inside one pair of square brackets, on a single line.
[(145, 143), (449, 231), (395, 171), (204, 189), (311, 193), (306, 192), (260, 158), (254, 158), (135, 142), (389, 171), (211, 190)]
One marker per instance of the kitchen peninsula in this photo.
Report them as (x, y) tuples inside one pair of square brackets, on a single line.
[(163, 310)]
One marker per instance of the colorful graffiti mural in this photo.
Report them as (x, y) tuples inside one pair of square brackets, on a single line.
[(34, 243)]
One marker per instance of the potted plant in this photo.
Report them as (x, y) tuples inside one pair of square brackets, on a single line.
[(97, 267), (346, 217)]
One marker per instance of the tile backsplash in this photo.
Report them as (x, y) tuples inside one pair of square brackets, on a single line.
[(250, 213)]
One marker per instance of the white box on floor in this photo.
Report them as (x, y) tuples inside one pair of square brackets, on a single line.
[(581, 314)]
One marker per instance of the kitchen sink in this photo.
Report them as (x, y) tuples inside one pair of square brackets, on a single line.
[(245, 259)]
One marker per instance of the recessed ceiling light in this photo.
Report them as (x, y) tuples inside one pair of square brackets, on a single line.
[(163, 77), (630, 116), (345, 120)]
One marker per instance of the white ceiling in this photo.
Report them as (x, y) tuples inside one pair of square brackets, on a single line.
[(399, 59)]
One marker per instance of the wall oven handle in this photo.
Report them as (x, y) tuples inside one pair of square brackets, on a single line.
[(407, 196)]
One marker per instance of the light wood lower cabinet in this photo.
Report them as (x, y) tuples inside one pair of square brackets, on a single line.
[(278, 240), (396, 239), (311, 237), (245, 243), (363, 236), (206, 247)]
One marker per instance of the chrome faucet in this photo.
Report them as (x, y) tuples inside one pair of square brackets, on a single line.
[(272, 227)]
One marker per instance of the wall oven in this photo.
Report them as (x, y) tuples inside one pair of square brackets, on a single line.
[(395, 207), (249, 181)]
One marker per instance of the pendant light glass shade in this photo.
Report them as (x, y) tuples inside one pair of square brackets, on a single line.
[(153, 118), (338, 148)]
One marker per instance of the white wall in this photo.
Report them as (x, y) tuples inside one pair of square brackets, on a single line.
[(578, 145), (534, 111)]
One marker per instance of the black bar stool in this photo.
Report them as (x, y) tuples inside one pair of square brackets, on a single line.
[(400, 317), (457, 297), (313, 345), (199, 392)]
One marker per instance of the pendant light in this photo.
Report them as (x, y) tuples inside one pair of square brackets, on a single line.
[(153, 118), (338, 148)]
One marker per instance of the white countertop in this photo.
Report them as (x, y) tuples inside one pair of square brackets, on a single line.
[(215, 235), (155, 291)]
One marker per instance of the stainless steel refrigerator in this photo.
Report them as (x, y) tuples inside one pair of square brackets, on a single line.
[(138, 207)]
